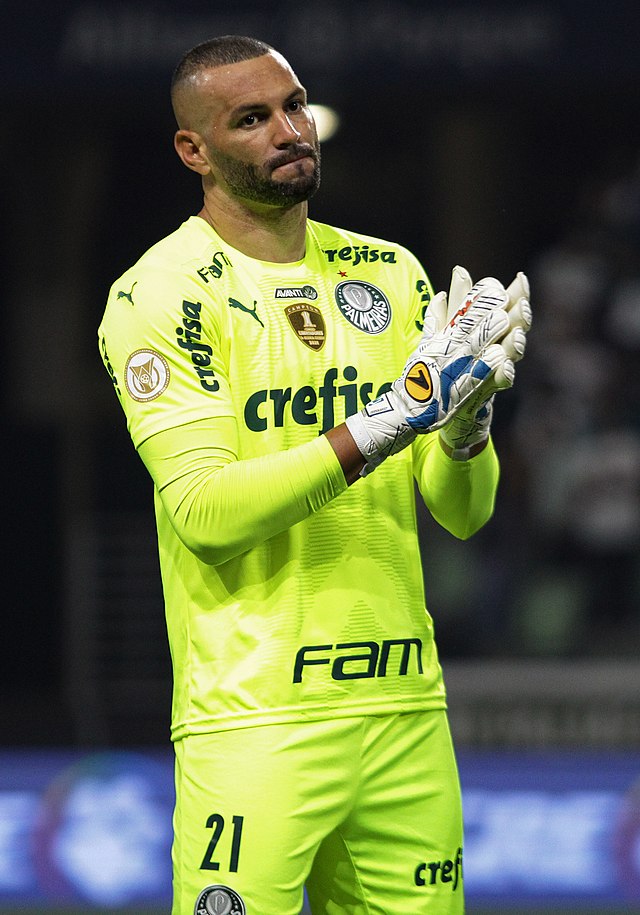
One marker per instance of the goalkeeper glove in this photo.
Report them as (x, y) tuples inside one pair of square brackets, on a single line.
[(471, 425), (451, 363)]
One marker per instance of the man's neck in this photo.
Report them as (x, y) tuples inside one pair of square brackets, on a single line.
[(275, 234)]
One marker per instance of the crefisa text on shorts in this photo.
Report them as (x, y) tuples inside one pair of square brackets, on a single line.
[(429, 873)]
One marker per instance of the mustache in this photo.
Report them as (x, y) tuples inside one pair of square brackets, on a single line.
[(292, 153)]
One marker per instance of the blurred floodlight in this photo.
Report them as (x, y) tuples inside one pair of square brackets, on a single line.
[(327, 121)]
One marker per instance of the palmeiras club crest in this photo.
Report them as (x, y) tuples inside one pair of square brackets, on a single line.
[(219, 900), (363, 305)]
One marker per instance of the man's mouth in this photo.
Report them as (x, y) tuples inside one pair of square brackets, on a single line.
[(292, 161), (296, 156)]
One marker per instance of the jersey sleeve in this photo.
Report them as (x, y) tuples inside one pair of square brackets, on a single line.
[(165, 352), (460, 495), (168, 358), (219, 506)]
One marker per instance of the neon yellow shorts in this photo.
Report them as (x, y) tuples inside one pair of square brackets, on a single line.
[(365, 811)]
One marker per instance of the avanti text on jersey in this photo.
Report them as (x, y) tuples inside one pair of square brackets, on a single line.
[(270, 406)]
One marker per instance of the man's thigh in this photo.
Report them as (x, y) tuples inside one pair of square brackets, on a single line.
[(252, 807), (399, 851)]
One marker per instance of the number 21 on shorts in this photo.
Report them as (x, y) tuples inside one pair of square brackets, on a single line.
[(216, 823)]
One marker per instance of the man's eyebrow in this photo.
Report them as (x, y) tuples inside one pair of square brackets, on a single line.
[(299, 90), (262, 106), (244, 109)]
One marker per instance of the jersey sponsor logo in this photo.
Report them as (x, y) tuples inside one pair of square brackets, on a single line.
[(296, 292), (253, 311), (127, 295), (108, 366), (418, 383), (146, 374), (422, 288), (219, 900), (363, 305), (447, 871), (307, 406), (308, 324), (189, 338), (361, 660), (359, 253), (215, 268)]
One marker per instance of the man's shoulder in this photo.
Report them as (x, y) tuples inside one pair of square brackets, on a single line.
[(185, 259), (331, 237), (181, 267), (182, 246), (344, 246)]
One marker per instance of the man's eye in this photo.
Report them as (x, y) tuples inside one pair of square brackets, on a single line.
[(249, 120)]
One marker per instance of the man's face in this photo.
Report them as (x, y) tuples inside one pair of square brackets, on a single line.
[(260, 138)]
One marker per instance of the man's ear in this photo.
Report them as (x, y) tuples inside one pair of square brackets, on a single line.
[(190, 147)]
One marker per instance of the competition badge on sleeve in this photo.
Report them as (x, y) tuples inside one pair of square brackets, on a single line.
[(146, 374)]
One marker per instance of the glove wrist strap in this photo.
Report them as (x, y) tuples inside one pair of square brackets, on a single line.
[(465, 453), (379, 430)]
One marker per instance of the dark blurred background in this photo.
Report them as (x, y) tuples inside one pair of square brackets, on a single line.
[(496, 135)]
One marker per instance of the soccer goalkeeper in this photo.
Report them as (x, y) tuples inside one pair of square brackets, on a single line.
[(285, 382)]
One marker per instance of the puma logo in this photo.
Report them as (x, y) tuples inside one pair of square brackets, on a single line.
[(233, 303), (127, 295)]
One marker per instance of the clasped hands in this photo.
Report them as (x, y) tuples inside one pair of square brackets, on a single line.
[(471, 341)]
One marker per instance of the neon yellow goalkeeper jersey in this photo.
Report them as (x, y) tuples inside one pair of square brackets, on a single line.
[(326, 617)]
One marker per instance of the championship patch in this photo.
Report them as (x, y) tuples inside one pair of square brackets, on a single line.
[(219, 900), (418, 384), (146, 374), (363, 305), (308, 323)]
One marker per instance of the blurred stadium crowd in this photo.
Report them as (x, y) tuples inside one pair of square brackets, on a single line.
[(557, 573)]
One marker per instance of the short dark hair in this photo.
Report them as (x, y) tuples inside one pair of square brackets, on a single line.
[(217, 52)]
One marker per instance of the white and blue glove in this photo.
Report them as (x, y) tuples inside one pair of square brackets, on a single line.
[(464, 356), (471, 423)]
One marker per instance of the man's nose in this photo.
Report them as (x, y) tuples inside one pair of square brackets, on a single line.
[(285, 132)]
